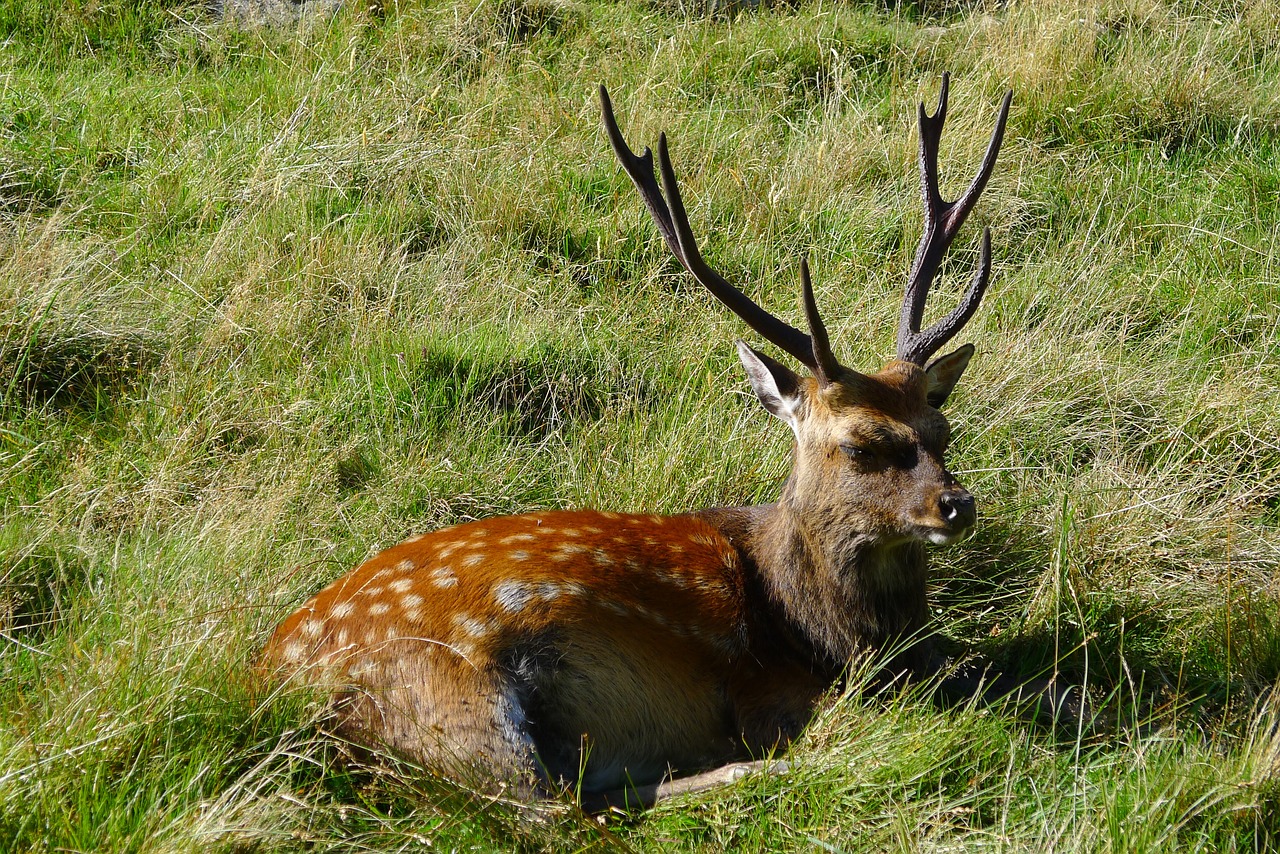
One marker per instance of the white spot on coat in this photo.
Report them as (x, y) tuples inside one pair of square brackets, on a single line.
[(517, 538), (512, 595), (547, 590), (472, 626), (675, 579)]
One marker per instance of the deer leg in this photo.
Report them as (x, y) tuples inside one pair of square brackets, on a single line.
[(630, 798), (1045, 701), (470, 726)]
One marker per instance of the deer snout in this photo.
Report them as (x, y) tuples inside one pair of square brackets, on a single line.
[(957, 508)]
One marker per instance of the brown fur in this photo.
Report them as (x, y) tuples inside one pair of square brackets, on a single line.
[(608, 650)]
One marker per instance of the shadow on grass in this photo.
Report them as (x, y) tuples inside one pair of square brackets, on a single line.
[(71, 364), (532, 395), (41, 575), (1138, 660)]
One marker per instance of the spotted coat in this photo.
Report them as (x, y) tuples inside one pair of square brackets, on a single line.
[(555, 648)]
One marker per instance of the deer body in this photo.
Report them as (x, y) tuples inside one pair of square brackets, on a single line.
[(564, 646), (608, 651)]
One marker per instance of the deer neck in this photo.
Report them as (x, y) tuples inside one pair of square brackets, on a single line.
[(842, 593)]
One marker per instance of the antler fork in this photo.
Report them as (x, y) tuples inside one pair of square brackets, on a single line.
[(942, 219)]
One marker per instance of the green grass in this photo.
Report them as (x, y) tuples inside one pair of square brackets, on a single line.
[(273, 299)]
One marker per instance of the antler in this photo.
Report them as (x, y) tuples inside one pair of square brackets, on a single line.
[(669, 215), (942, 219)]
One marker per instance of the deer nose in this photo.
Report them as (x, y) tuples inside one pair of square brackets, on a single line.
[(959, 510)]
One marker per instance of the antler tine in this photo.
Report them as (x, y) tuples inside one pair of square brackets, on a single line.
[(669, 215), (942, 220), (825, 365)]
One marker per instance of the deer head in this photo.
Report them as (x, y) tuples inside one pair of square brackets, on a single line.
[(869, 451)]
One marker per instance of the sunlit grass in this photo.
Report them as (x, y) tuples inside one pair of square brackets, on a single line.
[(273, 299)]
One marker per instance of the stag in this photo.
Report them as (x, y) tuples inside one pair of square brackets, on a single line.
[(623, 655)]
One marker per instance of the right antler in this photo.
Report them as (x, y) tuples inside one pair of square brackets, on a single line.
[(942, 219), (669, 215)]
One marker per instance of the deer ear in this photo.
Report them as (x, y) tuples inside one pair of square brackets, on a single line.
[(777, 386), (944, 372)]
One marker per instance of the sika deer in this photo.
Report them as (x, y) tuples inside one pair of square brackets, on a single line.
[(611, 651)]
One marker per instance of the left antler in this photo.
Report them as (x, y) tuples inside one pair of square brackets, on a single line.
[(669, 215)]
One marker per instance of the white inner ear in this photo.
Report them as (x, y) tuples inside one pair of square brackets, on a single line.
[(767, 388)]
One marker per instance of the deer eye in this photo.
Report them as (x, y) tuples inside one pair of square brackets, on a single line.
[(857, 452), (881, 455)]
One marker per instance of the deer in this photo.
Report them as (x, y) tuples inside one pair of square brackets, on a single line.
[(631, 657)]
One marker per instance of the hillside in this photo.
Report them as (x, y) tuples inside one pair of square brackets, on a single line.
[(274, 298)]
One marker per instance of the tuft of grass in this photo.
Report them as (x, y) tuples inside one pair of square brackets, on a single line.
[(57, 31), (70, 361)]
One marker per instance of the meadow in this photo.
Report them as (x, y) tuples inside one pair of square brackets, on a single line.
[(274, 298)]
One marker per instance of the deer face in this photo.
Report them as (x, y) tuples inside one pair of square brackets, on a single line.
[(870, 448)]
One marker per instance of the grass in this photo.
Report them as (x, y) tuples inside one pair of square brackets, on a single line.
[(273, 299)]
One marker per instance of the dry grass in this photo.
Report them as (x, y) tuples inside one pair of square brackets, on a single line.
[(271, 299)]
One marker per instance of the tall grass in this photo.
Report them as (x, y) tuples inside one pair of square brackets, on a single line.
[(272, 298)]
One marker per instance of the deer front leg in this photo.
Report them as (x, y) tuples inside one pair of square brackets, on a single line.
[(632, 798), (1045, 701)]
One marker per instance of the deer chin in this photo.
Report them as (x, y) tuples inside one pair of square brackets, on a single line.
[(941, 535), (942, 538)]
